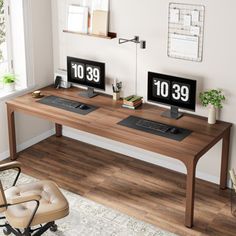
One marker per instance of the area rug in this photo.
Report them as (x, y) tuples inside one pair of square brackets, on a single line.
[(88, 218)]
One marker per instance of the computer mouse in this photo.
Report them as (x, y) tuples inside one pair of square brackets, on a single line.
[(83, 107), (174, 130)]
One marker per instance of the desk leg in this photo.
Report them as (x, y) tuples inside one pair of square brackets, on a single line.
[(11, 133), (58, 129), (190, 190), (224, 159)]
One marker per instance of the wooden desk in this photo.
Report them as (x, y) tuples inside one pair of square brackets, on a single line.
[(103, 122)]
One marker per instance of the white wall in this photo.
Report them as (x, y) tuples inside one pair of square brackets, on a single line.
[(149, 20), (29, 128)]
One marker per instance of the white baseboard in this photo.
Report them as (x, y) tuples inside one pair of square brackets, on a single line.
[(134, 152), (4, 155), (20, 147)]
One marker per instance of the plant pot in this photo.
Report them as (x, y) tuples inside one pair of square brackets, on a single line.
[(10, 87), (212, 115), (116, 96)]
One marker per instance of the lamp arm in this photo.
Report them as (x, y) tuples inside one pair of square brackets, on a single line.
[(121, 40), (134, 40)]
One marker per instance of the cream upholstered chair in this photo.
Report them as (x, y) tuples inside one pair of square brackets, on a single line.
[(26, 206)]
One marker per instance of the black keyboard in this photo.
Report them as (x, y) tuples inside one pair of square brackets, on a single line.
[(153, 125), (65, 103)]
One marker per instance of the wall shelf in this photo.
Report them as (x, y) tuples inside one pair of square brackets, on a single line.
[(111, 35)]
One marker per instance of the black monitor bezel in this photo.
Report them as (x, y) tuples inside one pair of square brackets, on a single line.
[(102, 85), (192, 83)]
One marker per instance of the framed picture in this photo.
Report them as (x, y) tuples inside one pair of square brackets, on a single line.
[(77, 19), (100, 14)]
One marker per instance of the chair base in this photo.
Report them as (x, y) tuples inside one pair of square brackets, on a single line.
[(28, 231)]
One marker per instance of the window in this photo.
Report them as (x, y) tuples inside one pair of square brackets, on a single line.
[(5, 52), (14, 36)]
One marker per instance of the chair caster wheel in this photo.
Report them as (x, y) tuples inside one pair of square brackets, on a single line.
[(53, 228), (6, 231)]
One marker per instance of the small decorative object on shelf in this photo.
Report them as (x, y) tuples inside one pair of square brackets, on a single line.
[(233, 192), (132, 102), (117, 86), (213, 98), (9, 81)]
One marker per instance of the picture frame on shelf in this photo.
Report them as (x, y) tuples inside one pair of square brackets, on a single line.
[(77, 19), (100, 17)]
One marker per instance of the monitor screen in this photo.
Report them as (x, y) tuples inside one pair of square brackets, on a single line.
[(85, 72), (171, 90)]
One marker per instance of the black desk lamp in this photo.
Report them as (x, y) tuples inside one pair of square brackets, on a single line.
[(137, 41)]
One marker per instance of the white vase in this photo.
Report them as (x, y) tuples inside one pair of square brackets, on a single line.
[(212, 115), (9, 87)]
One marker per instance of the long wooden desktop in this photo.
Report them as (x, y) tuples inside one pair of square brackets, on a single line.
[(103, 122)]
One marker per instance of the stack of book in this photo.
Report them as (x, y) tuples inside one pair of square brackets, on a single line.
[(132, 102)]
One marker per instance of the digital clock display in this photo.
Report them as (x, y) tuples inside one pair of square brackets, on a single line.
[(84, 72), (172, 90)]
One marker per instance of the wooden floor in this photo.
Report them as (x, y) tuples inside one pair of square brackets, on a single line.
[(147, 192)]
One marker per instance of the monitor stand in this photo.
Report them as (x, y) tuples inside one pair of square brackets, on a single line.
[(89, 93), (173, 113)]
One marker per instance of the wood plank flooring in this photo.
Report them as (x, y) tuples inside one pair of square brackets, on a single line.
[(145, 191)]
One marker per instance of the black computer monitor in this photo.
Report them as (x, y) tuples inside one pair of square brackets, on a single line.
[(173, 91), (86, 73)]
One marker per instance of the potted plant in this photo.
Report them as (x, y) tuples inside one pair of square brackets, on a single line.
[(9, 81), (213, 98)]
